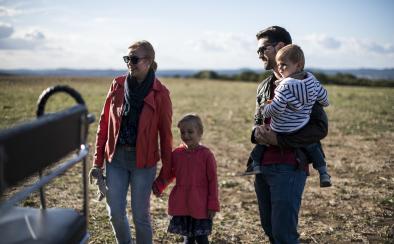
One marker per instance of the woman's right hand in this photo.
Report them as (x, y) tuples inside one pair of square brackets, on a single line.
[(94, 172)]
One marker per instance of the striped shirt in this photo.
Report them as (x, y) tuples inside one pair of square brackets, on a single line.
[(292, 104)]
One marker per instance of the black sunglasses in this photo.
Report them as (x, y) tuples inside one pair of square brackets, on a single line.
[(262, 49), (133, 59)]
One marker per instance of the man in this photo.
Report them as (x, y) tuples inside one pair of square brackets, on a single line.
[(280, 186)]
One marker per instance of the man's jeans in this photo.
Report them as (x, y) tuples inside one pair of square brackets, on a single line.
[(121, 174), (279, 191)]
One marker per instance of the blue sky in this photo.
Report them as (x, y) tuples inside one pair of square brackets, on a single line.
[(204, 34)]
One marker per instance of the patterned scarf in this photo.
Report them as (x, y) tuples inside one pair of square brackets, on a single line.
[(134, 94)]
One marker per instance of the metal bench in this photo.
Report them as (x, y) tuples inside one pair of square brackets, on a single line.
[(25, 151)]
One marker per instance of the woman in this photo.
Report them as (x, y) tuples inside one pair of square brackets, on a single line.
[(137, 109)]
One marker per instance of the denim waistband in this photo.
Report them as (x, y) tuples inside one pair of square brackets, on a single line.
[(126, 147), (282, 166)]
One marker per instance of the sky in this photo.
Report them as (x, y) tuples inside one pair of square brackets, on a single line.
[(186, 34)]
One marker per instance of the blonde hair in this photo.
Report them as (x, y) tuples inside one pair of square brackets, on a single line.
[(148, 48), (292, 53), (192, 118)]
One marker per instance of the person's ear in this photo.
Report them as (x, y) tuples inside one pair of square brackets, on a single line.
[(299, 66), (280, 45), (147, 62)]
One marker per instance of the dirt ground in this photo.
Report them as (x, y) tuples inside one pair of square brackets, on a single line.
[(358, 208)]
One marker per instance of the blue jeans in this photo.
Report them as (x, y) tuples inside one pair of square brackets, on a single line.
[(279, 192), (316, 155), (121, 174)]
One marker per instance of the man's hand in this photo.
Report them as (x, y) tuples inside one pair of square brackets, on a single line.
[(265, 135)]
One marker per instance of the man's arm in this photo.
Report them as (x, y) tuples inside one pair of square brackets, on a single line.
[(315, 130)]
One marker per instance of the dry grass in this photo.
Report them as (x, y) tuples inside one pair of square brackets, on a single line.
[(359, 148)]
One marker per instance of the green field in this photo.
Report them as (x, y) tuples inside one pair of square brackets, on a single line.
[(359, 149)]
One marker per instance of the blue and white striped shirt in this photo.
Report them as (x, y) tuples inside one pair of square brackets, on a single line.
[(293, 101)]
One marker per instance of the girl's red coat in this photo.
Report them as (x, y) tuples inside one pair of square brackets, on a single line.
[(196, 188)]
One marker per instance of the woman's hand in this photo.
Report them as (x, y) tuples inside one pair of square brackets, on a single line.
[(158, 186)]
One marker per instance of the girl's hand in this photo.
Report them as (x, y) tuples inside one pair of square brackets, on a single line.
[(155, 190), (211, 214)]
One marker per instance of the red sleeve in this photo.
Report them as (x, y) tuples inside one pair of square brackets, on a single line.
[(213, 193), (165, 134), (102, 130), (161, 183)]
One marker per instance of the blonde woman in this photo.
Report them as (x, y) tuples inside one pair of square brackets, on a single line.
[(136, 112)]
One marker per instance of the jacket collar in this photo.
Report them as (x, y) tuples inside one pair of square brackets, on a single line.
[(150, 98), (122, 79)]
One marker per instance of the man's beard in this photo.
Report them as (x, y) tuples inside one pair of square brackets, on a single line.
[(270, 64)]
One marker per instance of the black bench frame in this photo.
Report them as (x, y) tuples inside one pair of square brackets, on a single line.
[(29, 148)]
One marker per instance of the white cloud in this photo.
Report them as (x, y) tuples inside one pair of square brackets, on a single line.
[(30, 40), (330, 43), (222, 42), (374, 47), (352, 46), (35, 35), (323, 41), (346, 52), (9, 12), (6, 30)]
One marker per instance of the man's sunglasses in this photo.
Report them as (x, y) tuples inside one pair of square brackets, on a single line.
[(262, 49), (132, 59)]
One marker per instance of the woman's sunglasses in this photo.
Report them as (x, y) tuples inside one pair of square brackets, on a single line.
[(132, 59)]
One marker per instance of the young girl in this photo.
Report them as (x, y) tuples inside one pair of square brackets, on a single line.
[(193, 201)]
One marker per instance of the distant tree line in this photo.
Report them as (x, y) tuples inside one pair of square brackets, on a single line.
[(338, 79)]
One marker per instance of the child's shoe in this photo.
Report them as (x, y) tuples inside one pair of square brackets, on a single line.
[(253, 169), (325, 180)]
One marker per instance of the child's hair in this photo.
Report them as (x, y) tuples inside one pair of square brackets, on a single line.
[(192, 117), (292, 53)]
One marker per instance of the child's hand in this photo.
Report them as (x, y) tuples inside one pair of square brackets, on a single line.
[(262, 106), (156, 190), (211, 214)]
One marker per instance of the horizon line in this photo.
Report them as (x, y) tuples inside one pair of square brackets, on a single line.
[(168, 69)]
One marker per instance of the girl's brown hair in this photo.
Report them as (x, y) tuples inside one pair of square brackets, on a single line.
[(194, 118)]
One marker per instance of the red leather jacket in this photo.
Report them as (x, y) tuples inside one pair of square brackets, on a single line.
[(155, 119)]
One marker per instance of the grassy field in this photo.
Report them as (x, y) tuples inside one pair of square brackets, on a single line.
[(358, 208)]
